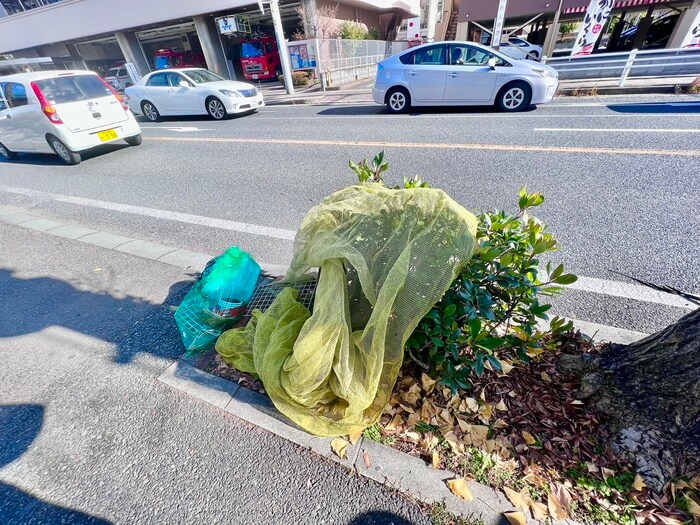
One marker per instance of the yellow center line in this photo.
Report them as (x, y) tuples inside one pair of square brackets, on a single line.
[(432, 145)]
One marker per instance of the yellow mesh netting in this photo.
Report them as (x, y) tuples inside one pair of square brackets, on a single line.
[(386, 257)]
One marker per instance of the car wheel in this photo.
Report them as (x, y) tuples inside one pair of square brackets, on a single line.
[(278, 72), (136, 140), (149, 111), (66, 154), (216, 108), (6, 153), (514, 97), (398, 100)]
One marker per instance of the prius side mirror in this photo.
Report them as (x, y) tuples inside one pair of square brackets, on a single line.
[(492, 63)]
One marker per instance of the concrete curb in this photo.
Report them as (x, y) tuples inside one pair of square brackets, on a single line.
[(642, 90), (375, 461)]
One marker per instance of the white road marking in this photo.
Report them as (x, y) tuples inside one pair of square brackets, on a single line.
[(621, 130), (179, 129), (199, 220), (629, 291), (586, 284), (433, 116)]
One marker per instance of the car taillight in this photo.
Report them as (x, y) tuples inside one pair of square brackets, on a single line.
[(121, 100), (46, 106)]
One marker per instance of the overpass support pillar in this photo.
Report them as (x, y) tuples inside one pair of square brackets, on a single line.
[(208, 35), (132, 51)]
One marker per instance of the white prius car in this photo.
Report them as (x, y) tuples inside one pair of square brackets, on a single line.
[(61, 112), (461, 74), (191, 91)]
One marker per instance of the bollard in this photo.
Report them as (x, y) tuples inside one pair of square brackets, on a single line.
[(628, 67)]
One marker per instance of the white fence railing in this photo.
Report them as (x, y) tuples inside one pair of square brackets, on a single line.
[(663, 62), (342, 61)]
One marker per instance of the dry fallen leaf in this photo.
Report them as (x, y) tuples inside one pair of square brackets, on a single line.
[(459, 488), (555, 508), (436, 459), (365, 456), (693, 508), (606, 473), (539, 510), (354, 437), (529, 438), (545, 377), (428, 383), (516, 498), (638, 483), (340, 447), (515, 518), (501, 406)]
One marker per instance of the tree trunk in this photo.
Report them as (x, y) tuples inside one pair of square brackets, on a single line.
[(651, 391)]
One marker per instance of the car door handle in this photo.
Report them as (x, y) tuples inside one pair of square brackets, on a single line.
[(8, 117), (412, 73), (454, 75)]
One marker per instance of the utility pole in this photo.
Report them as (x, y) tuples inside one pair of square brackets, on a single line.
[(497, 34), (552, 40), (281, 44)]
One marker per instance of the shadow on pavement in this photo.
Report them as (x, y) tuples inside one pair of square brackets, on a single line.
[(20, 424), (379, 517), (131, 324), (657, 107), (433, 110), (47, 159)]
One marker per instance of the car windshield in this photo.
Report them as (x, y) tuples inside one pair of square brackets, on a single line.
[(202, 76), (74, 88), (252, 50)]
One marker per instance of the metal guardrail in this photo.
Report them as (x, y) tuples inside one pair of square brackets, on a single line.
[(663, 62)]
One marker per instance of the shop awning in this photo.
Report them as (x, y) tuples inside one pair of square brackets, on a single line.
[(618, 5)]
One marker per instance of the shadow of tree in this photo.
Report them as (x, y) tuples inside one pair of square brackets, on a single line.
[(131, 324), (20, 424)]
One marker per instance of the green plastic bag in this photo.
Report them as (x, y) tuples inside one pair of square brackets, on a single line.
[(217, 301), (386, 257)]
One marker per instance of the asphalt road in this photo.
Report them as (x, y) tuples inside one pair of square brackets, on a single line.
[(620, 175), (86, 433)]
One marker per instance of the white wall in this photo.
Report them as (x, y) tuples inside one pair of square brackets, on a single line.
[(71, 19)]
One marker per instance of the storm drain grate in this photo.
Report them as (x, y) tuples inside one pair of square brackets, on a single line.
[(268, 289)]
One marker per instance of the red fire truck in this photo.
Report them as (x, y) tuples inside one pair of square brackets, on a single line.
[(174, 58), (260, 59)]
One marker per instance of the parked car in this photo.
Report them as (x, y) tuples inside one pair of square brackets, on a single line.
[(192, 91), (461, 74), (515, 47), (62, 112), (532, 51), (118, 78)]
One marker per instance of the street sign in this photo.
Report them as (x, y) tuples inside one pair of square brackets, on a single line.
[(498, 24), (133, 72)]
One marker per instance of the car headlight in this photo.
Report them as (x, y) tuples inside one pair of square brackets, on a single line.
[(230, 93), (546, 73)]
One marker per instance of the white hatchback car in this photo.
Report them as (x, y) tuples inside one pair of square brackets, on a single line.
[(62, 112), (191, 91), (461, 74)]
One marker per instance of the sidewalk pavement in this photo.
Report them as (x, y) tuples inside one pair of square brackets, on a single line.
[(360, 92)]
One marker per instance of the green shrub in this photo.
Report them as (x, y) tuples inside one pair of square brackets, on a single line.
[(353, 31), (299, 78), (374, 34), (493, 308)]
